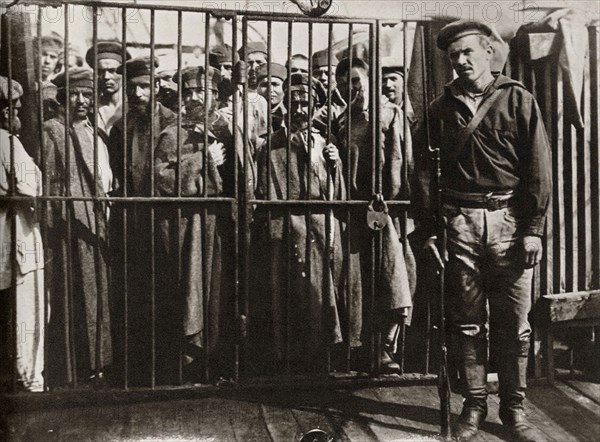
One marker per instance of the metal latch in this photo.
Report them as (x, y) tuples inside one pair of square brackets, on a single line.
[(377, 213)]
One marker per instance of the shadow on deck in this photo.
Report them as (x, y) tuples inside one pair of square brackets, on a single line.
[(567, 411)]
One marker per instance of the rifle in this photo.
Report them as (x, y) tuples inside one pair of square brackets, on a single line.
[(436, 186)]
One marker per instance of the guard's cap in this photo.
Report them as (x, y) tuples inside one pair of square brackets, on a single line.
[(461, 28), (107, 49)]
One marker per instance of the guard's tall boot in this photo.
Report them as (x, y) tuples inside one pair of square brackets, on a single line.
[(472, 356), (512, 378)]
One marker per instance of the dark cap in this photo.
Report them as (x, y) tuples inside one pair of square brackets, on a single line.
[(222, 53), (344, 66), (193, 77), (320, 59), (53, 42), (299, 81), (277, 71), (251, 47), (461, 28), (138, 67), (16, 89), (78, 77), (107, 49), (392, 64)]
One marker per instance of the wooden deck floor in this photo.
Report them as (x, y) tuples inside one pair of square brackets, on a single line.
[(565, 412)]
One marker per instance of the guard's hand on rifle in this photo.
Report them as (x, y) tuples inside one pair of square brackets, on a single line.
[(431, 247), (532, 250), (331, 154)]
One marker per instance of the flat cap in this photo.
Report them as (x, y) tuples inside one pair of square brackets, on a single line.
[(107, 49), (52, 42), (222, 53), (252, 47), (461, 28), (299, 81), (193, 77), (16, 89), (78, 77), (277, 71), (138, 67), (392, 64), (344, 66), (320, 59)]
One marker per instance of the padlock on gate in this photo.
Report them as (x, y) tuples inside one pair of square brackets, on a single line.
[(377, 213)]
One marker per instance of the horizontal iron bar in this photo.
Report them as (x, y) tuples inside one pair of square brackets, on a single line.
[(222, 12), (153, 199), (322, 203)]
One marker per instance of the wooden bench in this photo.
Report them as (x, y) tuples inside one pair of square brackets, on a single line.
[(565, 310)]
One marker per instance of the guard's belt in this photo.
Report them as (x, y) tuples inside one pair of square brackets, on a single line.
[(490, 201)]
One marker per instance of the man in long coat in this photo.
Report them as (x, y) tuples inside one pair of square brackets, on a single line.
[(142, 285), (78, 267), (28, 267), (318, 299), (199, 235), (392, 291)]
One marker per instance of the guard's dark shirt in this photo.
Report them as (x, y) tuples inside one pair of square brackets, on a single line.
[(509, 150)]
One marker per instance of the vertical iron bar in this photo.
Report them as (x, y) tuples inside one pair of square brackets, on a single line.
[(12, 216), (69, 305), (236, 207), (375, 335), (124, 208), (205, 270), (152, 221), (407, 157), (309, 171), (287, 197), (426, 92), (45, 185), (178, 179), (96, 209), (349, 220)]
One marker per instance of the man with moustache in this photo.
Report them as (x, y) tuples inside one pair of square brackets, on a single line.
[(88, 174), (393, 297), (318, 304), (28, 267), (109, 58), (496, 181), (143, 121), (206, 170)]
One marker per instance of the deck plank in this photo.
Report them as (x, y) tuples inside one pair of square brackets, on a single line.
[(563, 413), (280, 423)]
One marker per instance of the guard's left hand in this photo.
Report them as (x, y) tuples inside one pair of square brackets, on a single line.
[(331, 154), (532, 250)]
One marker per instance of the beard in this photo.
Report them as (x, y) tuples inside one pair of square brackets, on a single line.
[(298, 122), (195, 113)]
